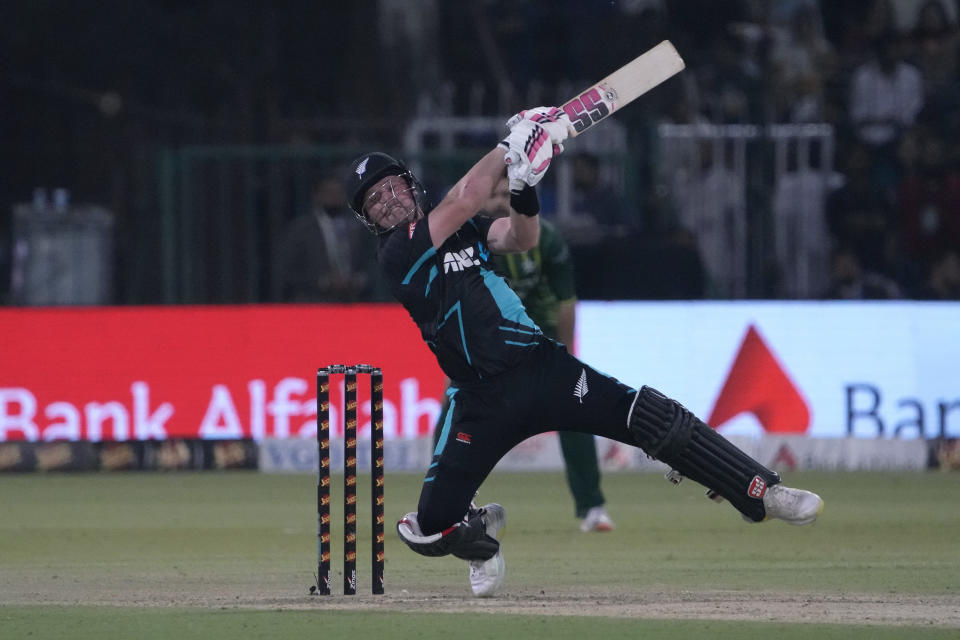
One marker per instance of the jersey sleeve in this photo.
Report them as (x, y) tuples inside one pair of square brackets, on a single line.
[(557, 263)]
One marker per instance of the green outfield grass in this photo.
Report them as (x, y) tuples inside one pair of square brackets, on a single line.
[(232, 555)]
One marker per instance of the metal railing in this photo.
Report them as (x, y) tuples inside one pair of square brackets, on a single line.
[(222, 210), (755, 198)]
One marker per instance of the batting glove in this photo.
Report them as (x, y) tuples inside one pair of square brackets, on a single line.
[(553, 119), (528, 154)]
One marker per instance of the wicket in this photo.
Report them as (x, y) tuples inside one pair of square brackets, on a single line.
[(349, 477)]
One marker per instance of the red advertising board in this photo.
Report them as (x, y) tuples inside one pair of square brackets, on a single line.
[(140, 373)]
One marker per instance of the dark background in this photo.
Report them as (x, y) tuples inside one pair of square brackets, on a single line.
[(92, 92)]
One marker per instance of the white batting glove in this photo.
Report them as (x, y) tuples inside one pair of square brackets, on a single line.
[(516, 175), (528, 156), (553, 119)]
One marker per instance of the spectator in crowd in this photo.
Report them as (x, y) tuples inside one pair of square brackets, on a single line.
[(797, 209), (856, 26), (886, 94), (929, 195), (324, 255), (933, 46), (682, 101), (731, 82), (591, 196), (850, 281), (860, 214), (943, 277), (709, 197), (801, 61)]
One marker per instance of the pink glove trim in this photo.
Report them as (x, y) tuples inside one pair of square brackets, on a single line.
[(538, 137)]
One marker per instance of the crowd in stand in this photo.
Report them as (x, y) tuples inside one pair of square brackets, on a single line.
[(883, 73), (896, 216)]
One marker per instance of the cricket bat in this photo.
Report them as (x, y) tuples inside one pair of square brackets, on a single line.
[(622, 87)]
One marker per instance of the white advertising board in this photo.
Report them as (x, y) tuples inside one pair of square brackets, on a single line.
[(821, 369)]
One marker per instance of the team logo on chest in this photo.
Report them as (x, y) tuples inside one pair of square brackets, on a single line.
[(459, 260)]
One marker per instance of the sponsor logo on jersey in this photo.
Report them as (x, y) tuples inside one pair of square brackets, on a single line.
[(459, 260), (463, 437)]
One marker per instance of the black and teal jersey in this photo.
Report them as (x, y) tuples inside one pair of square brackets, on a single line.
[(473, 322)]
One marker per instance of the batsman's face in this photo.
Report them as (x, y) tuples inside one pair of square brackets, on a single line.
[(389, 202)]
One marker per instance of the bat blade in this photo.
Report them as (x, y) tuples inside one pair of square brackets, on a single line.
[(623, 86)]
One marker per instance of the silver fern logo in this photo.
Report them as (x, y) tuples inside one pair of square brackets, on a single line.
[(580, 389), (362, 167)]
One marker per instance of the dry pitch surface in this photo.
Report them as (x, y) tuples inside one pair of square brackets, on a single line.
[(848, 608)]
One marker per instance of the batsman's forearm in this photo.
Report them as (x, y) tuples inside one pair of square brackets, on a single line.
[(524, 232), (466, 197), (477, 184)]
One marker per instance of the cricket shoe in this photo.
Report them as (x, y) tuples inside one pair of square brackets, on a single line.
[(486, 576), (794, 506), (597, 519)]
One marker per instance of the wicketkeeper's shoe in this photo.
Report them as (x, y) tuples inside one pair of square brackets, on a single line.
[(795, 506), (486, 576), (597, 519)]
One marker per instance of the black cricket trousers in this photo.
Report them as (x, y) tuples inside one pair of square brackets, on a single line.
[(550, 390)]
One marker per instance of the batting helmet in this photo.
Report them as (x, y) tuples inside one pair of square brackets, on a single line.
[(367, 170)]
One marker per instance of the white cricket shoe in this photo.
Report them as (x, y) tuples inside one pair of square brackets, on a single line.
[(794, 506), (486, 576), (597, 520)]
